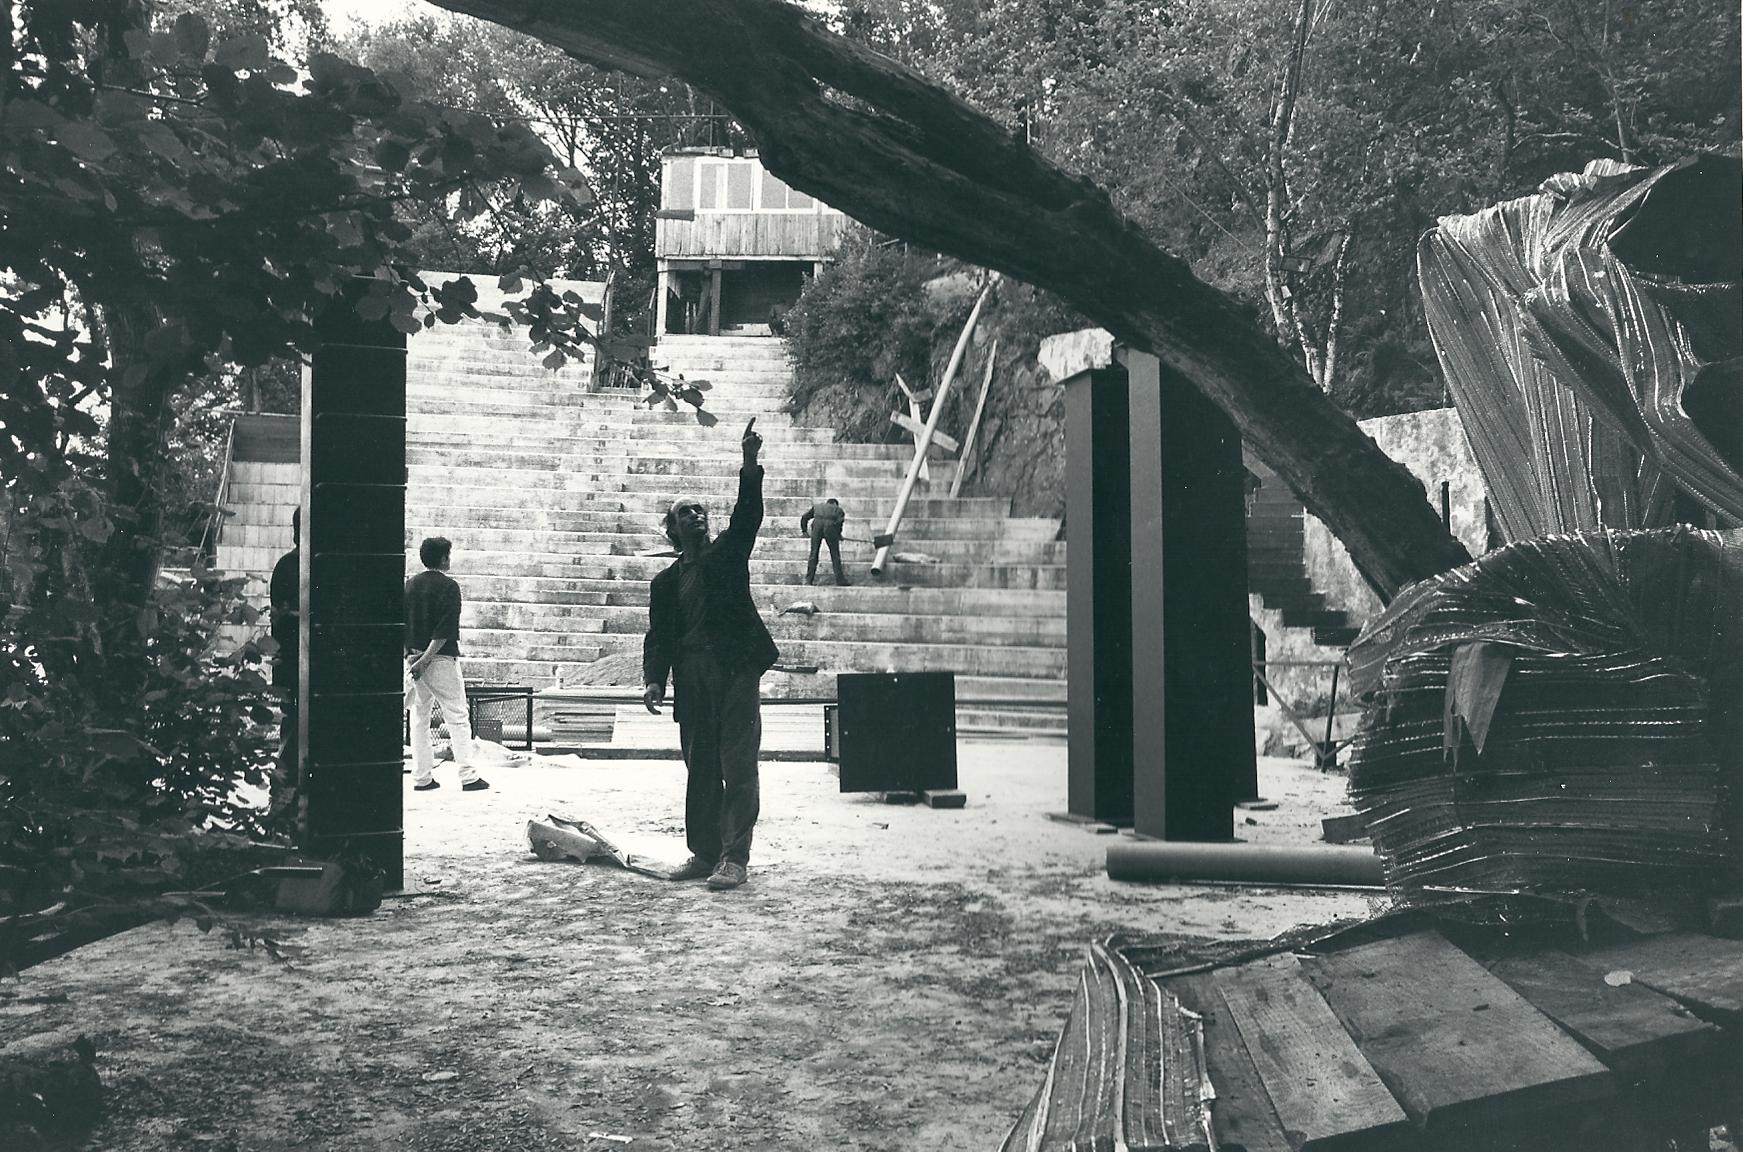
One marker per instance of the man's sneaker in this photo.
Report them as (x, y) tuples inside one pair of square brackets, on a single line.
[(694, 868), (727, 875), (477, 785), (430, 787)]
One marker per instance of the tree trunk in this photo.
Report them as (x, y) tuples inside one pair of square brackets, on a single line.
[(875, 140), (138, 420), (1284, 313)]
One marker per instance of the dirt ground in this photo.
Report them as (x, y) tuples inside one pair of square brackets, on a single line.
[(892, 977)]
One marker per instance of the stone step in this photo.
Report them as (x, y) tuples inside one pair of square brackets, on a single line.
[(484, 535), (967, 659), (533, 591), (443, 429), (1033, 725), (239, 534), (287, 496), (768, 571), (688, 466), (865, 508), (718, 490), (741, 382), (262, 472), (627, 448), (658, 460), (1027, 689), (861, 523), (942, 575), (881, 627), (490, 643), (569, 619), (867, 597)]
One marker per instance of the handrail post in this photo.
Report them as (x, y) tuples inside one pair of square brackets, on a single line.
[(924, 443), (962, 457), (218, 499)]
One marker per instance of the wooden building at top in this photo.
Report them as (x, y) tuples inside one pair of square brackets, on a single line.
[(733, 243)]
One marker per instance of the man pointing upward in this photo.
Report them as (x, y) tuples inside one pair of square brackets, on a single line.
[(704, 632)]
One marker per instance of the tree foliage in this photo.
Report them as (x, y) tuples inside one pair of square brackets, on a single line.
[(1403, 113), (178, 201), (610, 126)]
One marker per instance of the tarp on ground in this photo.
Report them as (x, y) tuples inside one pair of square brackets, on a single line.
[(1592, 737), (1591, 336)]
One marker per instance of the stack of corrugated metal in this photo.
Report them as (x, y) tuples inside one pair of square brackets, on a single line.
[(1561, 714)]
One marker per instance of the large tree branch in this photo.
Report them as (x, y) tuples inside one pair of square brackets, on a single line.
[(880, 143)]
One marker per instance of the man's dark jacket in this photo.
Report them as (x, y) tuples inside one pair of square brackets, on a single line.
[(735, 627)]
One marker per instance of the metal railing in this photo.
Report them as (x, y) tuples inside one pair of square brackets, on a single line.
[(214, 520)]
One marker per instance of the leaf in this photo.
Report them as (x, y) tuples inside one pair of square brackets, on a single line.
[(538, 187), (555, 360), (28, 114), (405, 322), (248, 52), (85, 140), (392, 155), (509, 282), (706, 418), (192, 36)]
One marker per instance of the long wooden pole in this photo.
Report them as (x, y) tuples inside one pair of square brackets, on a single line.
[(925, 440), (964, 457)]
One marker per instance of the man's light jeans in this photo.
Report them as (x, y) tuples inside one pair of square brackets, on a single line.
[(439, 684)]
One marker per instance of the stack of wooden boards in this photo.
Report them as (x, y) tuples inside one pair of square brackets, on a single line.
[(1406, 1043)]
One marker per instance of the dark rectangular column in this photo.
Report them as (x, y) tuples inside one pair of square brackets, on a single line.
[(353, 561), (1192, 735), (1098, 599)]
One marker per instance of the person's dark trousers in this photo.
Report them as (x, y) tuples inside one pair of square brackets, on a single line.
[(721, 731), (817, 542)]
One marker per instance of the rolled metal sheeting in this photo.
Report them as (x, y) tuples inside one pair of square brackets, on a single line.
[(1612, 761)]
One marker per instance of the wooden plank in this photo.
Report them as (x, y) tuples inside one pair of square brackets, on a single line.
[(1629, 1027), (1319, 1083), (1703, 972), (917, 426), (1453, 1042), (944, 798), (1242, 1113)]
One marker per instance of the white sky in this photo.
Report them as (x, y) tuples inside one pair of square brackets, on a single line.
[(344, 14)]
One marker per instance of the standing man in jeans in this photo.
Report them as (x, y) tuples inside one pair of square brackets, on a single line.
[(432, 640), (705, 632)]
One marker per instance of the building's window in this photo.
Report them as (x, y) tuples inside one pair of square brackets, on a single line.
[(798, 201), (774, 193), (708, 196), (680, 186), (738, 187)]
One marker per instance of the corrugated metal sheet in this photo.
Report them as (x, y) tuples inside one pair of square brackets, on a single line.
[(1611, 751), (1569, 364)]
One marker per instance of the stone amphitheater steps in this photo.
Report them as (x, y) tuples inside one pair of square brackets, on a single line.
[(550, 492)]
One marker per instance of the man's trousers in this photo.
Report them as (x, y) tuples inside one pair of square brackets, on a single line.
[(720, 726), (439, 684)]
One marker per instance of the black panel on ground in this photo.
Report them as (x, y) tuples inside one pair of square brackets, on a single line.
[(897, 731)]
